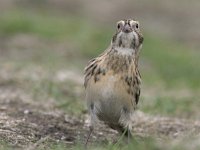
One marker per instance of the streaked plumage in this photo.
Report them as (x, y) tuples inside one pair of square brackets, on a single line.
[(112, 80)]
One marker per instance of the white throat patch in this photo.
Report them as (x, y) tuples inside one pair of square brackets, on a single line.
[(125, 51)]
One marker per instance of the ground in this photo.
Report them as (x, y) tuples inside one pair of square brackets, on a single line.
[(30, 124)]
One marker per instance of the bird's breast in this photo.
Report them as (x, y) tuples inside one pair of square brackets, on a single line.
[(109, 89)]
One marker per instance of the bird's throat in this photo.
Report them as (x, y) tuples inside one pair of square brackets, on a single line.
[(125, 51)]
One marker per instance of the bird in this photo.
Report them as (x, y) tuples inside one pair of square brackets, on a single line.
[(112, 80)]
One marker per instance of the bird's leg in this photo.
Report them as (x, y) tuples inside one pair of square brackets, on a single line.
[(126, 135), (129, 135), (89, 134)]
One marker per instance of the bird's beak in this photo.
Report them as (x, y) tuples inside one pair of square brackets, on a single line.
[(126, 28)]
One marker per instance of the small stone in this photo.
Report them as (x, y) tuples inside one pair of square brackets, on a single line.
[(26, 111), (63, 138)]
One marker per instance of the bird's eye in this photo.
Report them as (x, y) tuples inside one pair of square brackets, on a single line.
[(137, 25), (118, 26)]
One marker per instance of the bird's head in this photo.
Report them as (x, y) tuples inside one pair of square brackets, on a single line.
[(127, 35)]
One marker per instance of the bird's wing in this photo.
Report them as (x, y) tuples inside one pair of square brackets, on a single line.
[(89, 70), (137, 86), (137, 95)]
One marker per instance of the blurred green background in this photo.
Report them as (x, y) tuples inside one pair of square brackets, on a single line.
[(43, 39)]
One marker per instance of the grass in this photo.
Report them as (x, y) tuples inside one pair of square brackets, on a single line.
[(5, 146), (176, 64), (146, 143), (169, 106), (64, 94), (75, 30), (170, 62)]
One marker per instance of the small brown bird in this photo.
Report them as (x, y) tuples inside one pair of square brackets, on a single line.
[(112, 80)]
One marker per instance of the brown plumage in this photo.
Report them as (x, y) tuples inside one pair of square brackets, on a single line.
[(112, 80)]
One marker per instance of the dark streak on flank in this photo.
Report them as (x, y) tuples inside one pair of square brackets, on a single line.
[(98, 71), (128, 80), (114, 38), (96, 78), (104, 72), (129, 91), (93, 69), (120, 42), (137, 95), (137, 80)]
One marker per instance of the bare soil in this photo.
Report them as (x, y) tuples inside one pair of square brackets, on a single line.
[(27, 124)]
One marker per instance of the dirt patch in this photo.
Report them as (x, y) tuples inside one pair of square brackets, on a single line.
[(23, 124), (164, 127), (27, 125)]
